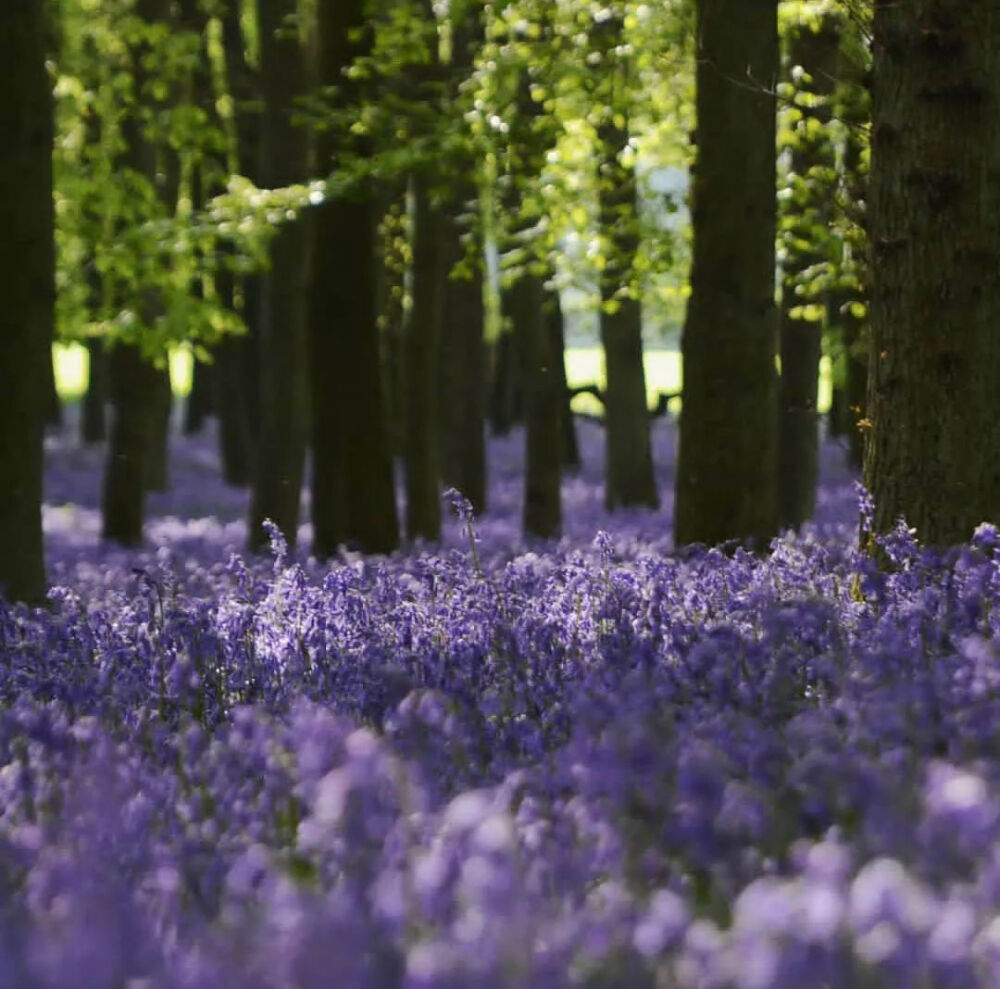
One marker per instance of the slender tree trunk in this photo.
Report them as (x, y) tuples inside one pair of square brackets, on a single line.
[(463, 370), (934, 361), (131, 446), (27, 262), (200, 401), (242, 357), (421, 356), (628, 465), (284, 397), (353, 495), (813, 159), (727, 458), (557, 329), (53, 407), (161, 398), (505, 401), (93, 421), (545, 405), (136, 385)]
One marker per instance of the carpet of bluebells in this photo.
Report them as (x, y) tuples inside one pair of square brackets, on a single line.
[(494, 763)]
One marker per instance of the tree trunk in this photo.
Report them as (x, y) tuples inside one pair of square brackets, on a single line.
[(934, 361), (27, 262), (200, 401), (136, 385), (353, 495), (727, 456), (284, 401), (133, 381), (463, 368), (535, 309), (93, 421), (239, 394), (161, 398), (628, 463), (813, 158), (421, 357), (557, 329), (506, 406)]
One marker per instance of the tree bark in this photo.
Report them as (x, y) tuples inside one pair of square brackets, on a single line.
[(557, 330), (421, 362), (27, 263), (136, 385), (813, 158), (628, 462), (353, 495), (934, 360), (726, 472), (463, 367), (545, 403), (284, 402), (93, 421)]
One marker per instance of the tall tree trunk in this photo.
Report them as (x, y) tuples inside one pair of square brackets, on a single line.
[(27, 262), (421, 355), (93, 421), (727, 456), (353, 495), (557, 330), (201, 399), (506, 405), (628, 465), (136, 388), (463, 368), (545, 404), (934, 361), (134, 381), (161, 398), (812, 159), (284, 397), (239, 374)]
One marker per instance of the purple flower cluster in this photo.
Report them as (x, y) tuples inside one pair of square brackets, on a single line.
[(592, 763)]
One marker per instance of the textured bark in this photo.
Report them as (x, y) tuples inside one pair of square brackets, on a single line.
[(801, 336), (421, 362), (628, 462), (93, 420), (726, 461), (284, 401), (934, 361), (26, 273), (353, 496), (463, 371)]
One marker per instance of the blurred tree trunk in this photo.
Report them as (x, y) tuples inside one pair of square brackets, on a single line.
[(726, 465), (390, 290), (814, 49), (136, 385), (284, 396), (53, 409), (201, 399), (353, 495), (536, 309), (27, 262), (506, 403), (934, 359), (421, 361), (849, 304), (158, 455), (628, 463), (238, 376), (463, 370), (557, 329), (463, 354), (93, 421)]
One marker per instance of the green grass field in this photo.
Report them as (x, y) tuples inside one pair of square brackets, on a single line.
[(583, 366)]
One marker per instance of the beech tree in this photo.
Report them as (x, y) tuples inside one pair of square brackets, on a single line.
[(27, 263), (934, 359), (725, 486), (284, 395)]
